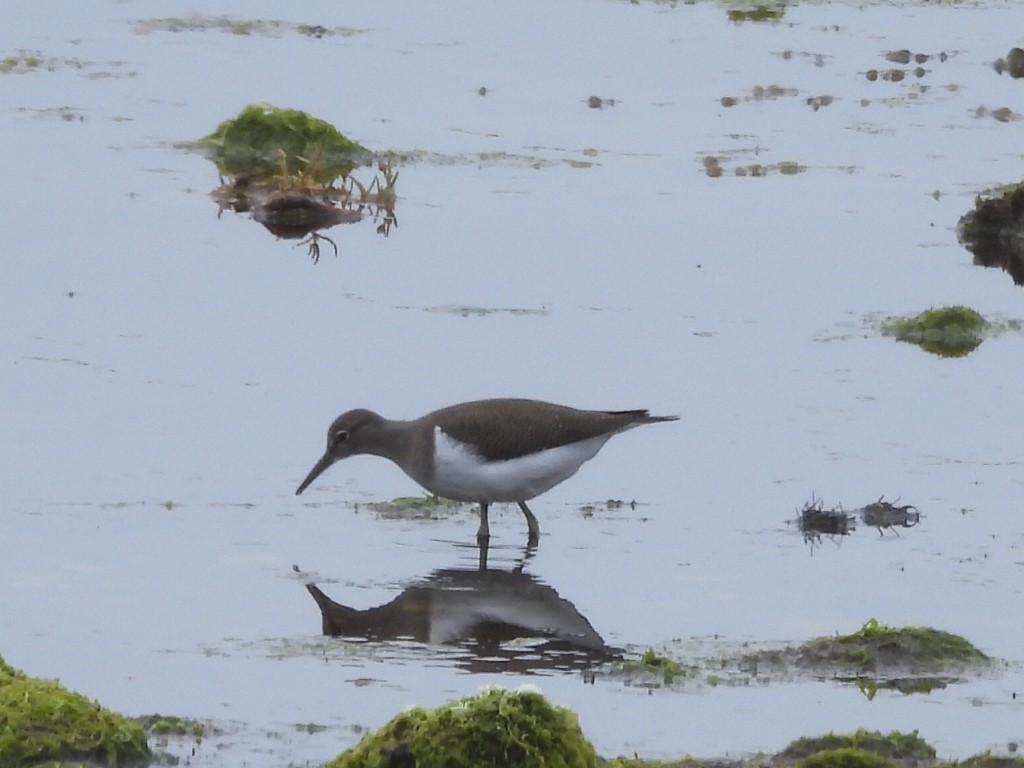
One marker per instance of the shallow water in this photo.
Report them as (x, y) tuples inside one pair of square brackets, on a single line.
[(170, 373)]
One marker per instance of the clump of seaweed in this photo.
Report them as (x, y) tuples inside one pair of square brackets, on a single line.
[(294, 172), (41, 720), (877, 648), (517, 729), (651, 666), (953, 331), (892, 746), (264, 140)]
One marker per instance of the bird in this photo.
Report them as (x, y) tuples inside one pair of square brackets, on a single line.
[(483, 451)]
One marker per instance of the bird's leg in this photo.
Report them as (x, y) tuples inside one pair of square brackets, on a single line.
[(482, 546), (531, 521), (484, 532)]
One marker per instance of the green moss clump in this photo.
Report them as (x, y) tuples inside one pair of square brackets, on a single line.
[(172, 725), (670, 668), (762, 13), (266, 141), (845, 758), (425, 507), (639, 762), (893, 745), (876, 646), (509, 729), (7, 672), (41, 720), (988, 760), (947, 331)]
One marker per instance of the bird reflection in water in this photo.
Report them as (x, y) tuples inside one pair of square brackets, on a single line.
[(504, 620)]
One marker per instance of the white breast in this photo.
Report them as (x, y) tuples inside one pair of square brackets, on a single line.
[(460, 473)]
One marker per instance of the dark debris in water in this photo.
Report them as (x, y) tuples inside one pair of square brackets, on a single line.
[(883, 514), (814, 520), (994, 231)]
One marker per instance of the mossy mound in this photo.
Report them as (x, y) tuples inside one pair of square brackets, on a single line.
[(947, 331), (876, 648), (510, 729), (41, 721), (266, 141), (893, 746), (845, 758), (988, 760)]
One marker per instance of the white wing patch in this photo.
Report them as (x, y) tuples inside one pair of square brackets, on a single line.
[(460, 473)]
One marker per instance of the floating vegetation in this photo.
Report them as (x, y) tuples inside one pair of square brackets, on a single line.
[(493, 728), (994, 231), (651, 670), (757, 12), (200, 23), (267, 142), (425, 507), (42, 721), (1013, 64), (1000, 114), (284, 166), (713, 168), (880, 650), (945, 331), (172, 725), (892, 746), (24, 62)]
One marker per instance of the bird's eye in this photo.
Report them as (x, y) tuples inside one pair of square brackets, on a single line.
[(340, 436)]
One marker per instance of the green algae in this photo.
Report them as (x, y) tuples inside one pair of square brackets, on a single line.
[(172, 725), (845, 757), (265, 141), (893, 745), (771, 12), (946, 331), (988, 760), (653, 664), (198, 22), (876, 646), (424, 507), (511, 729), (41, 721)]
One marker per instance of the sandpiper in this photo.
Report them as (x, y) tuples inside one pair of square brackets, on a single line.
[(484, 451)]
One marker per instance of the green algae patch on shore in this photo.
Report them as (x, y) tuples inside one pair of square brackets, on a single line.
[(892, 746), (41, 721), (511, 729), (876, 647), (845, 757), (264, 141), (945, 331)]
